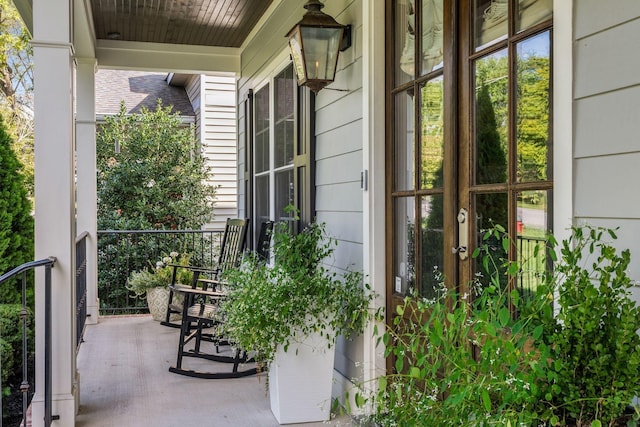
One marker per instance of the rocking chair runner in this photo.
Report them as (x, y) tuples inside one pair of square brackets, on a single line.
[(233, 243), (203, 313)]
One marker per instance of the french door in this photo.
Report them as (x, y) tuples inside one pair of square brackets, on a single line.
[(469, 137)]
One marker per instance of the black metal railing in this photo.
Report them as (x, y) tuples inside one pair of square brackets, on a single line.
[(81, 286), (25, 387), (122, 251), (531, 267)]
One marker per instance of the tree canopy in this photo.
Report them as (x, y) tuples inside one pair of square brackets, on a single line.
[(16, 86), (16, 223), (151, 174)]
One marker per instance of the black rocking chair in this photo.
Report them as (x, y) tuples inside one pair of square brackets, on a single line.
[(231, 248), (203, 314)]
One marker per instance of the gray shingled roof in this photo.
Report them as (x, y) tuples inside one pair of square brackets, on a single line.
[(137, 89)]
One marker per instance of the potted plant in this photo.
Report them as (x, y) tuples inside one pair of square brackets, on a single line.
[(154, 282), (289, 312)]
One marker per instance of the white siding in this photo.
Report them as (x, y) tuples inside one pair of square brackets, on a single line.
[(607, 118), (214, 99), (339, 138), (219, 143)]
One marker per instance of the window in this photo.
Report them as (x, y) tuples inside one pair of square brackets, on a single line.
[(282, 137)]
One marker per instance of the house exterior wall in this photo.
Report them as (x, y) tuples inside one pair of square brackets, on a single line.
[(606, 87), (339, 139), (214, 99)]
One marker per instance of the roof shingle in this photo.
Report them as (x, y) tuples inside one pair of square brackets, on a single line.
[(138, 89)]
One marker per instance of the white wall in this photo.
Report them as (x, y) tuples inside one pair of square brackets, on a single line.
[(607, 119), (214, 100), (339, 138)]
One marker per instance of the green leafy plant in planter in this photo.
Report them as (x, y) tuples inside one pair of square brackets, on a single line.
[(154, 282), (277, 305), (159, 275), (570, 358)]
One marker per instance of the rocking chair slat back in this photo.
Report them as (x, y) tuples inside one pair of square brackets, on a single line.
[(233, 243)]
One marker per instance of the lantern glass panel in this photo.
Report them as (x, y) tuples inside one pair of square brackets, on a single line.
[(320, 47)]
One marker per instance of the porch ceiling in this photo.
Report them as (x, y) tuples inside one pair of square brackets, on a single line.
[(222, 23), (184, 36)]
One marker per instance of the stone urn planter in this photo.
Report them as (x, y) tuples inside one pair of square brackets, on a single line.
[(157, 300)]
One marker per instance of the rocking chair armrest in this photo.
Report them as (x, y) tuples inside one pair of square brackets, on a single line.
[(212, 283), (195, 268), (197, 291)]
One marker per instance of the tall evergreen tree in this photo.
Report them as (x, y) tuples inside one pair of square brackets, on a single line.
[(16, 222)]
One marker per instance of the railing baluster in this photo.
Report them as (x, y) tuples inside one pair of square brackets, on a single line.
[(137, 249)]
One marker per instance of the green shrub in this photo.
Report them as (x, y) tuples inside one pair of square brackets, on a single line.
[(571, 357), (594, 333), (16, 223), (11, 344)]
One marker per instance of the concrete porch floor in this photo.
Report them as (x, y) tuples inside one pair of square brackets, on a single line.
[(124, 381)]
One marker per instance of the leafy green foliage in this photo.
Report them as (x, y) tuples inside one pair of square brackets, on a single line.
[(16, 223), (594, 334), (11, 345), (160, 274), (16, 86), (269, 306), (570, 357), (158, 180)]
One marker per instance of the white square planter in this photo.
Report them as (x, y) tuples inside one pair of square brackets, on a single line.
[(300, 383)]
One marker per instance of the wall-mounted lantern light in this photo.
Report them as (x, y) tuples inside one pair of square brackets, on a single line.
[(315, 42)]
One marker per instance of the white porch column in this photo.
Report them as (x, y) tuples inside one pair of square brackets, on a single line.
[(54, 201), (86, 179)]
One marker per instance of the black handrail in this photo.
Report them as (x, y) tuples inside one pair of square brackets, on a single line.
[(81, 286), (48, 263)]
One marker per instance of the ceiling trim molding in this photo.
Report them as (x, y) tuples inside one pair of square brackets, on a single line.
[(190, 59), (84, 33), (263, 20)]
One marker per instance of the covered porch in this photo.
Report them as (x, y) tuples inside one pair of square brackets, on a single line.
[(123, 366)]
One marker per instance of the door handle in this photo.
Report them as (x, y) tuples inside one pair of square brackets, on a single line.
[(463, 235)]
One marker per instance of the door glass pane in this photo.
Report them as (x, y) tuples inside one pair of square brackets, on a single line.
[(261, 102), (491, 118), (490, 210), (432, 234), (284, 193), (405, 23), (490, 21), (432, 35), (533, 96), (533, 224), (404, 141), (532, 12), (404, 269), (284, 85), (431, 138), (262, 198)]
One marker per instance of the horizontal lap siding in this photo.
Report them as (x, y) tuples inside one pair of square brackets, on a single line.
[(339, 163), (220, 145), (607, 119), (339, 138)]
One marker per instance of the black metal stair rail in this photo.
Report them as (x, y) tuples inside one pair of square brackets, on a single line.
[(48, 264)]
